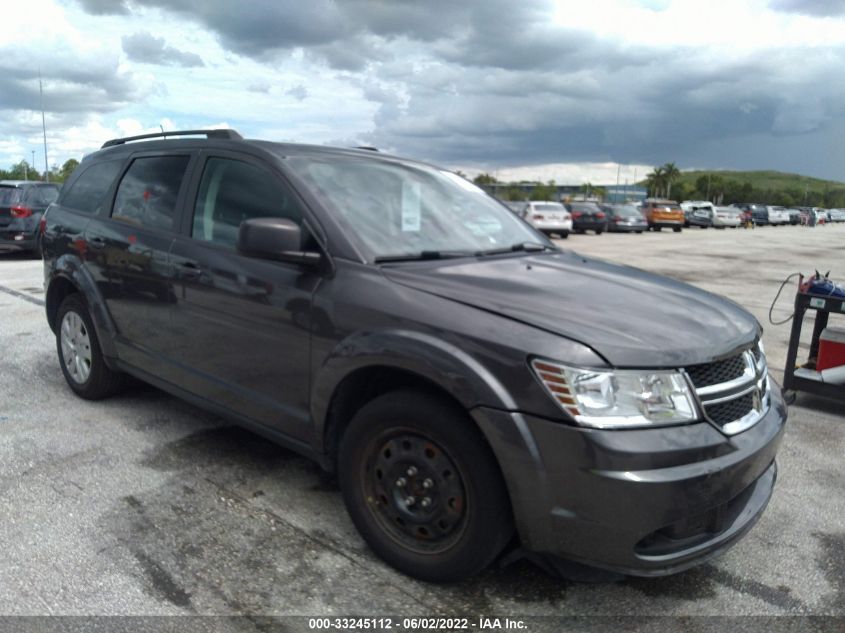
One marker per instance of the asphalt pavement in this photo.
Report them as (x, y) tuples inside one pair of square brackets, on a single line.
[(143, 505)]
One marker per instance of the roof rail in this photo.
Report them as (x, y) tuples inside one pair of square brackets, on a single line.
[(219, 133), (368, 148)]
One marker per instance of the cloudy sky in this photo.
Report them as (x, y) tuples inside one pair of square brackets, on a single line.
[(521, 88)]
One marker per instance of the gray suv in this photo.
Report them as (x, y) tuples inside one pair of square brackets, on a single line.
[(473, 387)]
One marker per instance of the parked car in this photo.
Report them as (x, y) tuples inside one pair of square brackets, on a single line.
[(794, 216), (624, 218), (759, 212), (822, 216), (837, 215), (549, 217), (587, 216), (396, 324), (662, 213), (726, 216), (808, 216), (698, 213), (22, 203), (777, 215)]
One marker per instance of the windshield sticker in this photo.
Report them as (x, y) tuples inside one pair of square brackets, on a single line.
[(411, 216)]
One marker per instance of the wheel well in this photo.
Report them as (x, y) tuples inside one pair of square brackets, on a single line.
[(362, 386), (56, 293)]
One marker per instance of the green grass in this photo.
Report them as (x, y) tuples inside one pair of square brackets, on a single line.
[(767, 180)]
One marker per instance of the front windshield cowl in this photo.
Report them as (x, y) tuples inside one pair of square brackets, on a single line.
[(402, 211)]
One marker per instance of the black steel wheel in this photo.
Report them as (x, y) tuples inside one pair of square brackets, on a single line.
[(423, 487), (421, 499)]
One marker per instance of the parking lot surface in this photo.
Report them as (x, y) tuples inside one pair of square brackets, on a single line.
[(145, 505)]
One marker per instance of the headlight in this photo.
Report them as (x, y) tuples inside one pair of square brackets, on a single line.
[(618, 398)]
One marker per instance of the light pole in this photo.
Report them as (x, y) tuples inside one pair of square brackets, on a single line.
[(33, 162), (43, 128)]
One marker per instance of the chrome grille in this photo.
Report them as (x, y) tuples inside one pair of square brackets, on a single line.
[(732, 392), (717, 372), (726, 412)]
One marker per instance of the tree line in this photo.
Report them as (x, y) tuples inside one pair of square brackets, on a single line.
[(667, 181), (24, 171)]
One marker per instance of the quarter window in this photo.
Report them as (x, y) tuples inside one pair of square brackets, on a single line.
[(232, 191), (88, 192), (148, 192)]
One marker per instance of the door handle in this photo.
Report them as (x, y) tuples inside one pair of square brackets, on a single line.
[(97, 243), (189, 270)]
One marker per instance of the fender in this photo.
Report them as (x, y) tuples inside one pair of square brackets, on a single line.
[(71, 268), (430, 357)]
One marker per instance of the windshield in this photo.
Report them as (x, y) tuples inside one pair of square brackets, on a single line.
[(395, 209), (549, 206), (626, 211)]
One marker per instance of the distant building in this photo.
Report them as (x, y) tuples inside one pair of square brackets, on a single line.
[(613, 193)]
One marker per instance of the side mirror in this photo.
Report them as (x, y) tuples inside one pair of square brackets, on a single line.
[(274, 238)]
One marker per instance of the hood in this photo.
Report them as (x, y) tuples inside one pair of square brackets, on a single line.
[(630, 317)]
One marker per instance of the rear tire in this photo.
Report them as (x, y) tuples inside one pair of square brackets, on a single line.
[(677, 229), (80, 356), (564, 235), (423, 487)]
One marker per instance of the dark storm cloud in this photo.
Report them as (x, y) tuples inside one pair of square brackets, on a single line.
[(143, 47), (266, 27), (810, 7), (501, 82), (263, 26)]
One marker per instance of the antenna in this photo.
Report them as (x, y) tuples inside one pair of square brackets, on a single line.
[(43, 127)]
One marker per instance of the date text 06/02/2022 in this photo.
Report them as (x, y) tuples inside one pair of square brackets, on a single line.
[(416, 624)]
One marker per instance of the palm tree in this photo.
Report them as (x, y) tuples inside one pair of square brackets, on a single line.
[(656, 181), (670, 173)]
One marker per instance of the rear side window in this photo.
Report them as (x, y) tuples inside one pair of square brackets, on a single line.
[(88, 192), (232, 191), (147, 194), (9, 196)]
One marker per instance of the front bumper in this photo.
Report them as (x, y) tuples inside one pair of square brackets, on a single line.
[(589, 225), (643, 502)]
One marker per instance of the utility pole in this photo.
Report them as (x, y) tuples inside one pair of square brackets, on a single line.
[(33, 163), (43, 127), (616, 193), (25, 170)]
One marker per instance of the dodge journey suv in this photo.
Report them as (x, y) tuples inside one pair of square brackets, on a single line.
[(474, 388)]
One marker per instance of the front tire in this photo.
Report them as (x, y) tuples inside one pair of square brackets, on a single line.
[(423, 487), (677, 229), (79, 352)]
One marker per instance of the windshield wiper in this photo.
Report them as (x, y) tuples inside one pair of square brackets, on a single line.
[(526, 247), (422, 255)]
